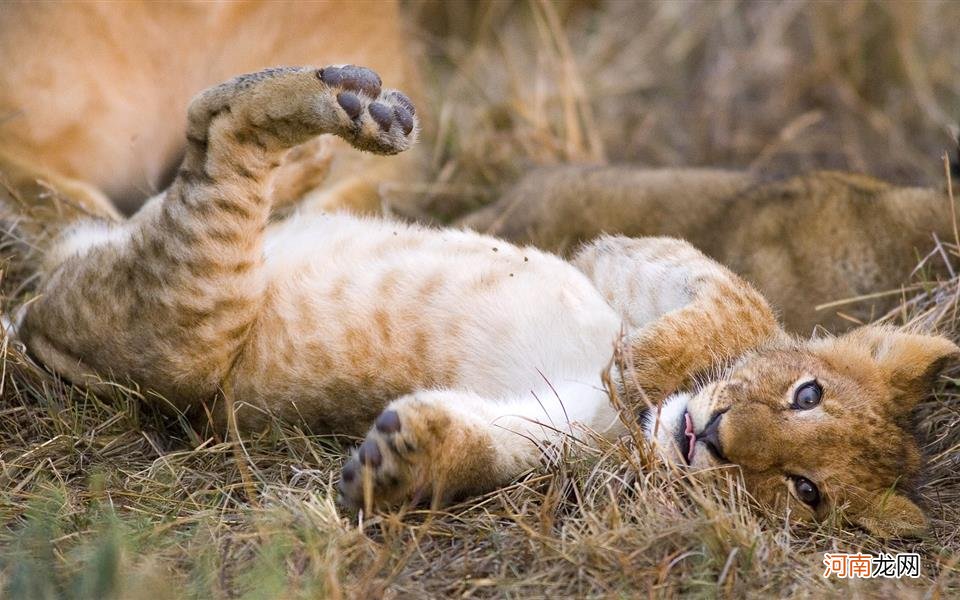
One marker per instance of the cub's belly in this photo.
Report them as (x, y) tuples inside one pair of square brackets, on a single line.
[(367, 320)]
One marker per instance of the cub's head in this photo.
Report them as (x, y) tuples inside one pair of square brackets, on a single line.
[(816, 425)]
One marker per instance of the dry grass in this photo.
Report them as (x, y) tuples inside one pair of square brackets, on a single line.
[(778, 88), (118, 500)]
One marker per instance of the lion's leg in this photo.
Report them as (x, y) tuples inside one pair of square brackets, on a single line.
[(361, 184), (167, 299), (439, 445), (684, 312), (303, 170), (323, 176)]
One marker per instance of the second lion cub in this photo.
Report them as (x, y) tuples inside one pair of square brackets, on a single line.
[(808, 240)]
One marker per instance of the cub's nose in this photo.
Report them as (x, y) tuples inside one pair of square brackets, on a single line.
[(711, 436)]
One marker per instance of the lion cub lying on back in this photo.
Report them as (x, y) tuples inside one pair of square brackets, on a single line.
[(463, 352)]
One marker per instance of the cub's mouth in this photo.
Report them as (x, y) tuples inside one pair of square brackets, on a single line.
[(686, 438)]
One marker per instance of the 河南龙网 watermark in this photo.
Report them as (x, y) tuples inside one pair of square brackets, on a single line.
[(861, 565)]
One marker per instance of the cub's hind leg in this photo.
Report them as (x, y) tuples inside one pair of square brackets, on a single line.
[(166, 300), (684, 313)]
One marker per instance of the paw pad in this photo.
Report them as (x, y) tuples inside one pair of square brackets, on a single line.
[(349, 472), (351, 77), (378, 120), (388, 422), (386, 457), (382, 114), (404, 118), (403, 101), (370, 453), (350, 103)]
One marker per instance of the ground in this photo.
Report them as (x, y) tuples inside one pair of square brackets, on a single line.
[(112, 498)]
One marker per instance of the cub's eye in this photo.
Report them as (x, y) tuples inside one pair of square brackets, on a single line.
[(806, 491), (807, 395)]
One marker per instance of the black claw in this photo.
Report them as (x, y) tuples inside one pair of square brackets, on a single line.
[(370, 454), (382, 114), (349, 472), (350, 103), (388, 422), (405, 119)]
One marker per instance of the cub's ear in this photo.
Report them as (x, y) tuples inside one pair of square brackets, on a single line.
[(893, 515), (909, 361)]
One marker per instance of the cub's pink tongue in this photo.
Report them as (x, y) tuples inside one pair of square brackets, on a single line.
[(690, 436)]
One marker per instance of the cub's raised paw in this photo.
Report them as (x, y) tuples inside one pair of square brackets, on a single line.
[(386, 119), (416, 451), (282, 107)]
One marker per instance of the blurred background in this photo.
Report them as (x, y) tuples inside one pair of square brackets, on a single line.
[(776, 87)]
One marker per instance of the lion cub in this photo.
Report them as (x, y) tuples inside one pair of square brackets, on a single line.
[(459, 354), (805, 241)]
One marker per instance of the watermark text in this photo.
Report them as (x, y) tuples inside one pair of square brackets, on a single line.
[(866, 566)]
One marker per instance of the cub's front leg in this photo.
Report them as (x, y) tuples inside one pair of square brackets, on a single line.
[(166, 300), (441, 445), (430, 446), (684, 313)]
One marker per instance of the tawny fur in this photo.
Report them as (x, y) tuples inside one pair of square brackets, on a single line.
[(806, 241), (466, 352)]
